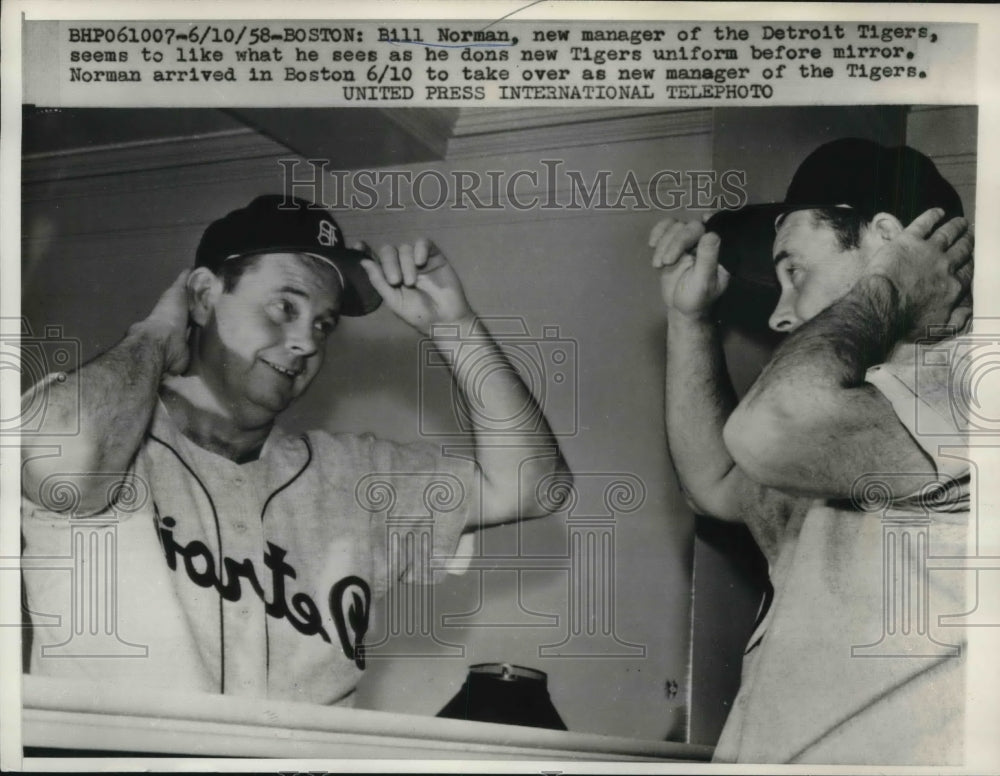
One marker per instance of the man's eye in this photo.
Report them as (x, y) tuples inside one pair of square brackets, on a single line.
[(326, 326), (283, 309)]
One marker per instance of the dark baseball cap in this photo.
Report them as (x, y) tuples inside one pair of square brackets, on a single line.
[(851, 172), (273, 223)]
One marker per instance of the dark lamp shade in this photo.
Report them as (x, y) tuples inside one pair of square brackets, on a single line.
[(504, 693)]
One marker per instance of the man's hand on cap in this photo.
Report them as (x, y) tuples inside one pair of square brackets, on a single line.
[(168, 325), (418, 284), (931, 269), (691, 278)]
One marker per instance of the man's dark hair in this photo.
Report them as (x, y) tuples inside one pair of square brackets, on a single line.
[(231, 271), (847, 225)]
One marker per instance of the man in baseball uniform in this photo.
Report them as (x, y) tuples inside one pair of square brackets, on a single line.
[(870, 255), (247, 557)]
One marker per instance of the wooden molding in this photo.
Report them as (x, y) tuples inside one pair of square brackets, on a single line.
[(145, 156), (75, 714), (481, 121), (488, 131), (431, 126)]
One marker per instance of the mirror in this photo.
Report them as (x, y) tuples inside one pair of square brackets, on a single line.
[(545, 217)]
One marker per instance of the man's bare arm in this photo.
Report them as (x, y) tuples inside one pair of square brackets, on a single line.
[(110, 400), (699, 398), (524, 474), (810, 424), (699, 393)]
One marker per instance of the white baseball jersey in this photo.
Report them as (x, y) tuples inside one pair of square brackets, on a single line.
[(840, 671), (250, 579)]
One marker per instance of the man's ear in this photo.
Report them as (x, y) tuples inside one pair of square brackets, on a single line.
[(885, 226), (203, 287)]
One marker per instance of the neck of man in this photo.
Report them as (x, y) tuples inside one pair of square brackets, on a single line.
[(203, 420)]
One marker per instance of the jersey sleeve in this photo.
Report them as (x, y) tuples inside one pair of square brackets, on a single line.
[(125, 494), (924, 388), (418, 502)]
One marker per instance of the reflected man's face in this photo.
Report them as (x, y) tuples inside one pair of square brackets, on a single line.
[(813, 269)]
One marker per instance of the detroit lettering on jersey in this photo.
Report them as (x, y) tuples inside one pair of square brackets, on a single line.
[(349, 600)]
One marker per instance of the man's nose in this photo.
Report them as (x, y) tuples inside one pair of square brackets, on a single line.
[(299, 338), (784, 319)]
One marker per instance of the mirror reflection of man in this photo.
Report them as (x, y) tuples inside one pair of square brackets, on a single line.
[(251, 567), (870, 251)]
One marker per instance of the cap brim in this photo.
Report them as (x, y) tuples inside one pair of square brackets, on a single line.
[(360, 296), (745, 250), (747, 239)]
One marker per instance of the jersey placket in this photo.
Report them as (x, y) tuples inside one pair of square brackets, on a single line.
[(244, 625)]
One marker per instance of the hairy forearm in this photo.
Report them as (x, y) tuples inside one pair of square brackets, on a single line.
[(834, 350), (810, 424), (97, 417), (515, 447), (699, 399)]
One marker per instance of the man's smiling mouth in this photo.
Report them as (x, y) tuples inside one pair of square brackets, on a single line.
[(292, 373)]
